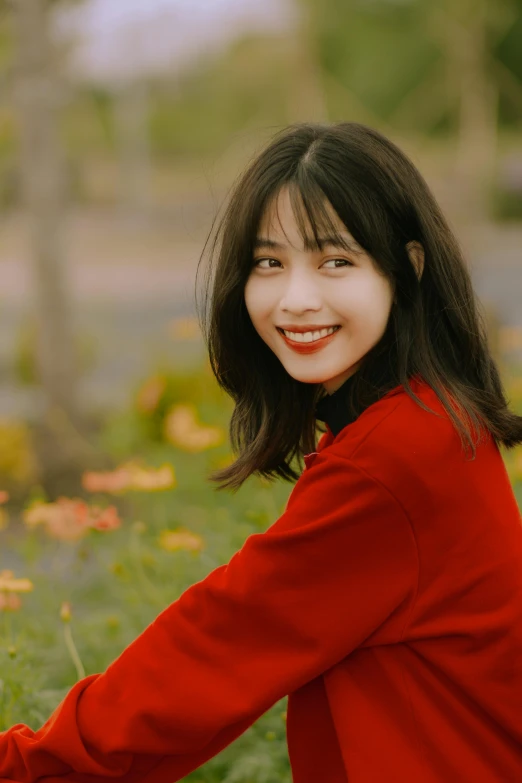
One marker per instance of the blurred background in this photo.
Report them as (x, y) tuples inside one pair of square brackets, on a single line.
[(124, 123)]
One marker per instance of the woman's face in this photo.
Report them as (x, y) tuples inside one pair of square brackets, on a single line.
[(291, 286)]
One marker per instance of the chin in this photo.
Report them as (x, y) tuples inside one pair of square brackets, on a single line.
[(332, 384), (304, 378)]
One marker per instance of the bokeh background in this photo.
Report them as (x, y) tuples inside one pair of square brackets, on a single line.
[(123, 124)]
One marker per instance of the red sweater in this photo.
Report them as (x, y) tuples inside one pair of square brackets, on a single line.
[(386, 601)]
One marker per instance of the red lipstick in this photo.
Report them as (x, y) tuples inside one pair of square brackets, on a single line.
[(312, 347)]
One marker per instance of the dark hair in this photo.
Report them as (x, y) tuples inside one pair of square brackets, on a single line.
[(436, 329)]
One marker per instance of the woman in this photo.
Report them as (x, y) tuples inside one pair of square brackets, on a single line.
[(386, 601)]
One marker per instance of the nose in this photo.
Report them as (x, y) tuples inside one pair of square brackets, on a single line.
[(300, 293)]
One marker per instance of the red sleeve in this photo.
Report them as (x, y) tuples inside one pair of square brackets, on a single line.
[(338, 565)]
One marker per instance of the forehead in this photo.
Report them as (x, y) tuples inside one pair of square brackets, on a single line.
[(288, 220), (286, 209)]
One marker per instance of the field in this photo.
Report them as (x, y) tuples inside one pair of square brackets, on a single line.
[(84, 576), (92, 592)]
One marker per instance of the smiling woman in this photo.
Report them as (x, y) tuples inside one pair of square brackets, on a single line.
[(386, 601), (332, 225), (315, 283)]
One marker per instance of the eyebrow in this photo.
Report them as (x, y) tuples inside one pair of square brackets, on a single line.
[(347, 244)]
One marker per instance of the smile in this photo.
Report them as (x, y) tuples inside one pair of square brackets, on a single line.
[(309, 342), (308, 337)]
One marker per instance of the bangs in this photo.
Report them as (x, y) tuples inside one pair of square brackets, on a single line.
[(317, 221)]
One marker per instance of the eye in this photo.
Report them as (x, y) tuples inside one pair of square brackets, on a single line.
[(257, 262), (345, 260)]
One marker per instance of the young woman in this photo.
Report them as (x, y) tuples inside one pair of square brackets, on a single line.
[(386, 601)]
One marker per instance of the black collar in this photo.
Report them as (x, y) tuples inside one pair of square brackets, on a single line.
[(333, 409), (347, 403)]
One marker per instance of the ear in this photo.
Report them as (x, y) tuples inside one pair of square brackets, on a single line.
[(416, 254)]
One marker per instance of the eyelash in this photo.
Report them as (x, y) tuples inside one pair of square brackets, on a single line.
[(257, 261)]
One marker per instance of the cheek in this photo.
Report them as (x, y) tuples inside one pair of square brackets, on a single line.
[(373, 300)]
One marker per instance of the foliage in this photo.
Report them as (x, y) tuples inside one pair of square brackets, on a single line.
[(506, 203), (359, 46), (25, 360), (93, 593), (18, 464), (165, 391), (386, 62), (248, 85), (72, 603)]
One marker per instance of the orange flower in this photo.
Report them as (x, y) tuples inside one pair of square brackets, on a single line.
[(130, 476), (149, 480), (150, 394), (70, 520), (181, 538), (10, 602), (4, 496), (64, 520), (9, 584), (182, 429), (107, 481), (104, 519), (9, 587)]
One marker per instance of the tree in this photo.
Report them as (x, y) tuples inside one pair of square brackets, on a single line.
[(37, 95), (427, 68)]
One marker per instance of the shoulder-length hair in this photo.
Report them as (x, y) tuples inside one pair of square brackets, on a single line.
[(436, 329)]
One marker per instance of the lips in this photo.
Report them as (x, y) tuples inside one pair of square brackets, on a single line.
[(312, 347)]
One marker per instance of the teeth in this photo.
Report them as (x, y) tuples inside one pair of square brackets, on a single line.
[(309, 337)]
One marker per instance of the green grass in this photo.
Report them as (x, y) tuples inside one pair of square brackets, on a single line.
[(118, 581)]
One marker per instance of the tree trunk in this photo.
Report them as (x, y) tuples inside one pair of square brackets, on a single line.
[(478, 109), (37, 96), (307, 102)]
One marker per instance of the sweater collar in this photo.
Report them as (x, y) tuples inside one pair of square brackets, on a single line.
[(335, 410), (332, 409)]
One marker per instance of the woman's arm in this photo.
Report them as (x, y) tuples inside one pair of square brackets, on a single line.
[(337, 566)]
